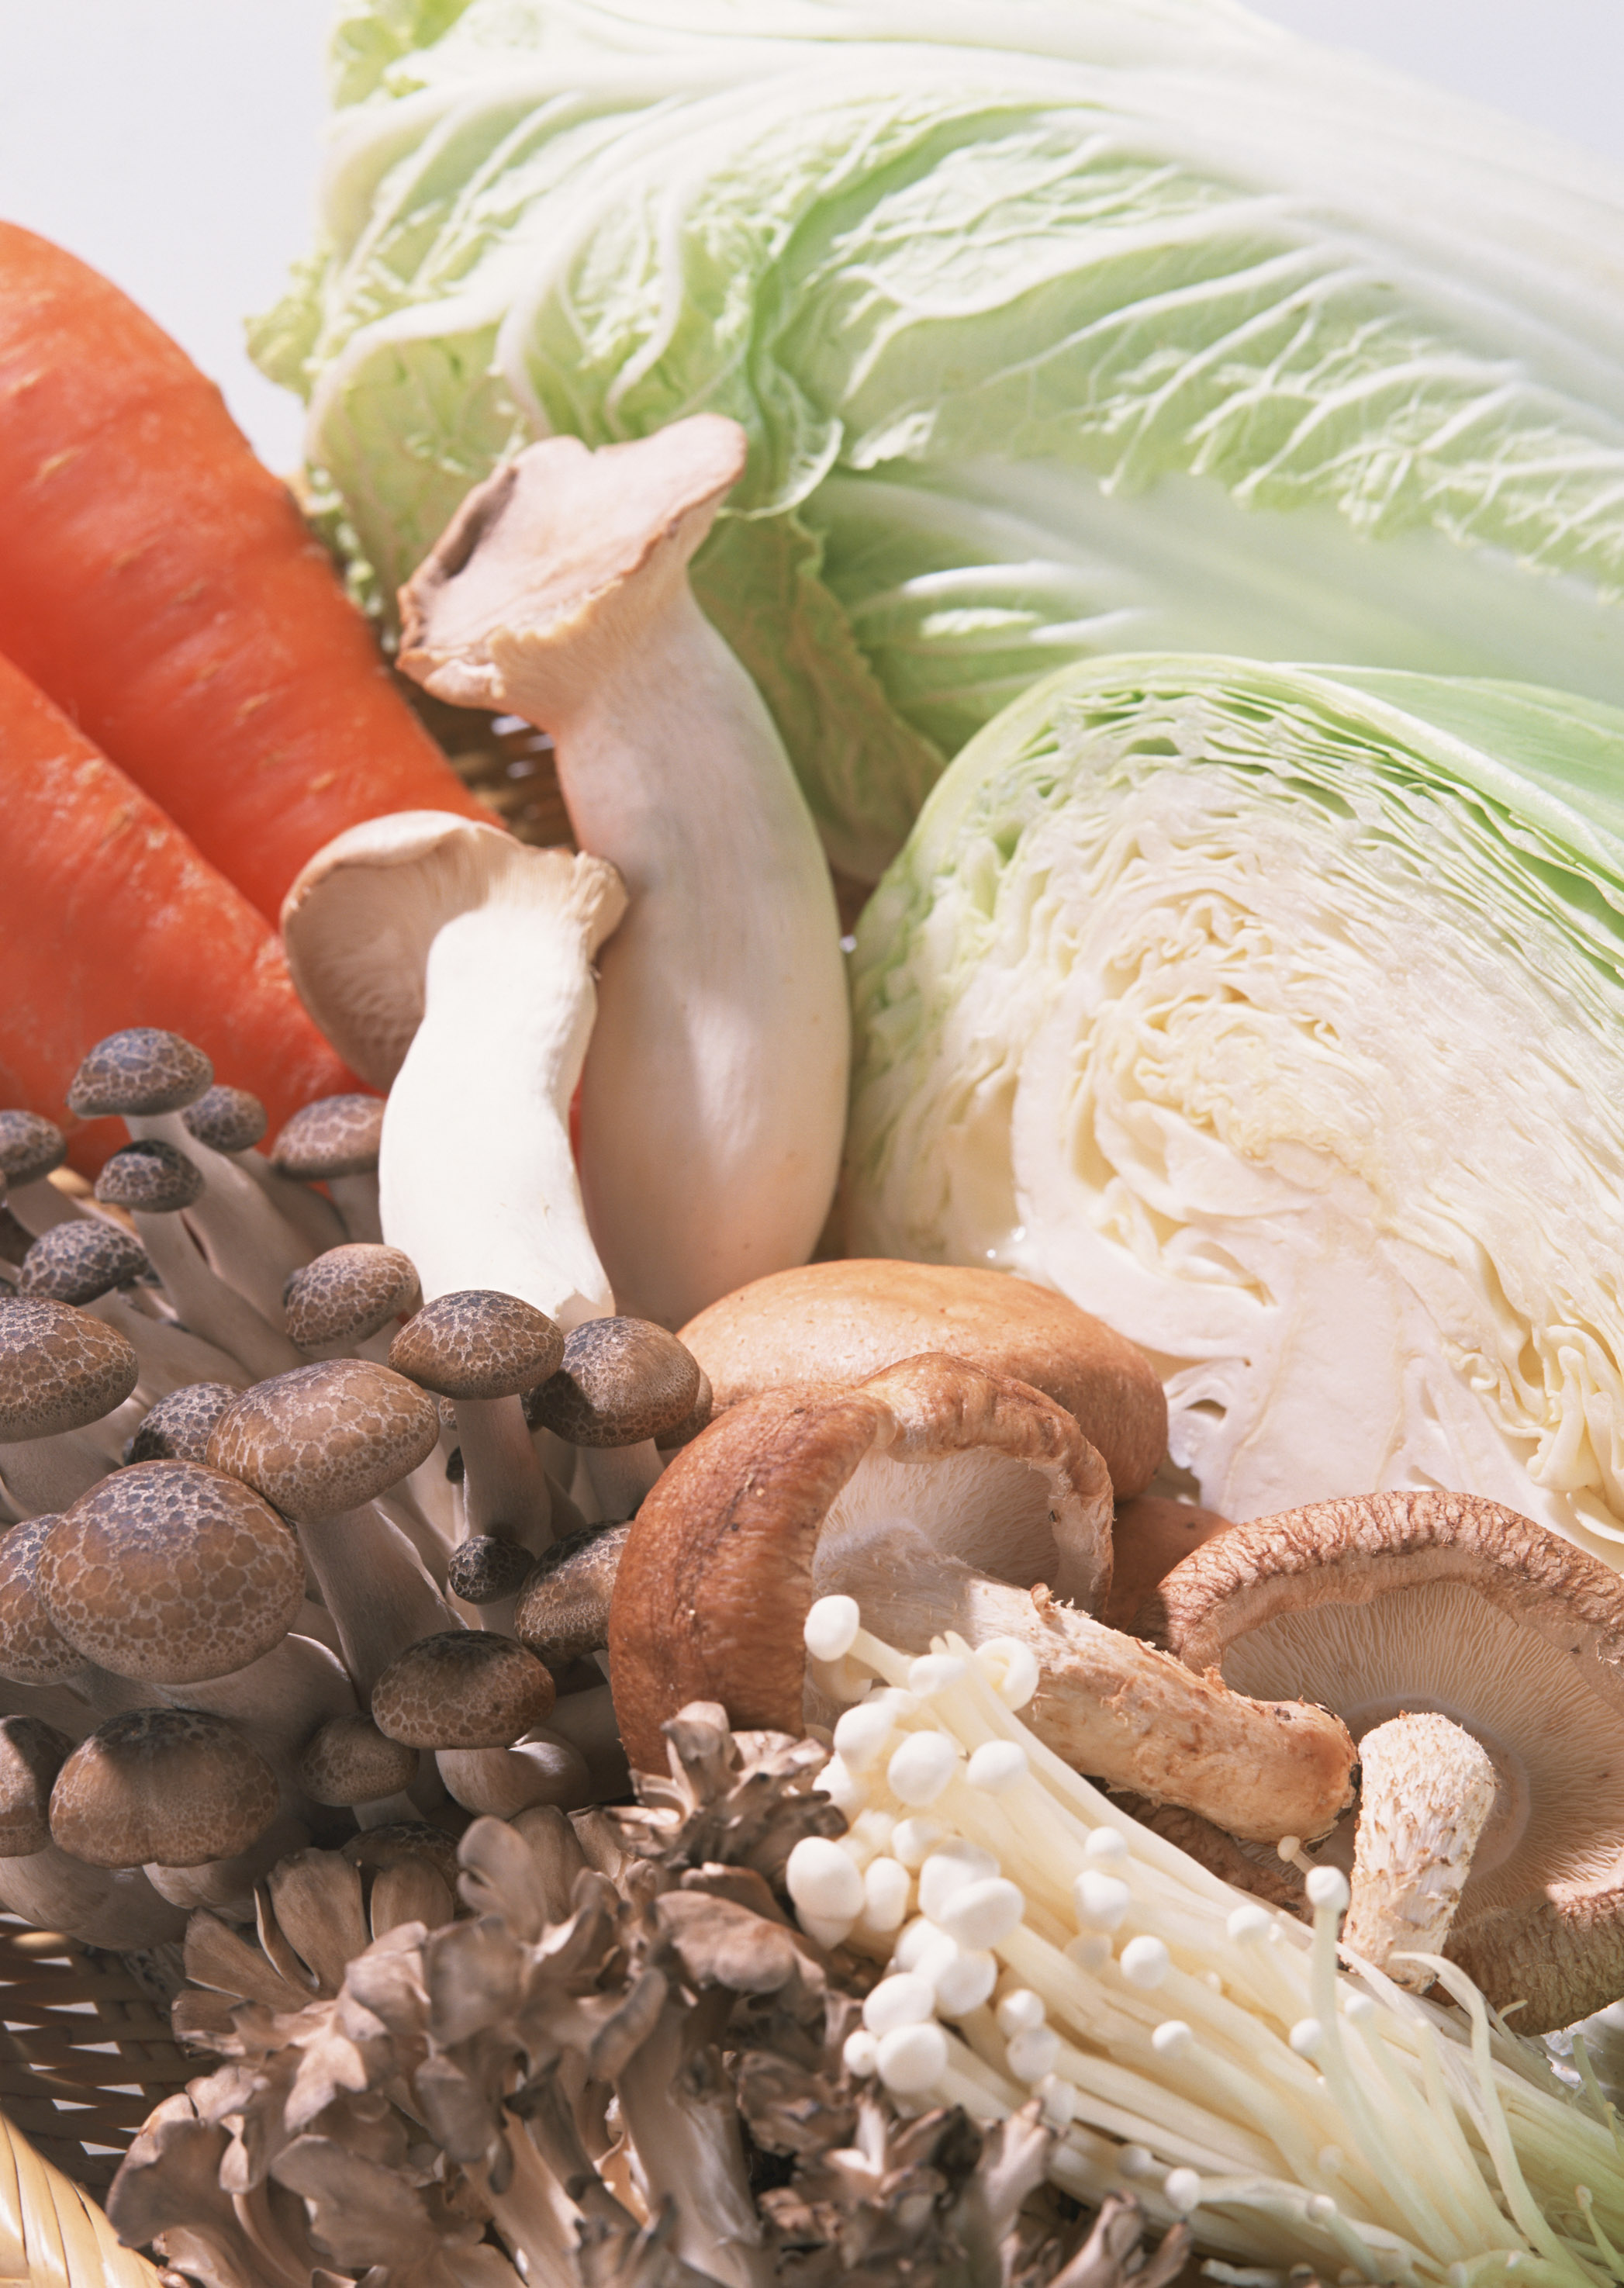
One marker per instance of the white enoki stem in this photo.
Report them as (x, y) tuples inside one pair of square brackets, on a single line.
[(620, 1475), (244, 1239), (373, 1585), (1207, 2051), (207, 1305), (504, 1487), (1426, 1790)]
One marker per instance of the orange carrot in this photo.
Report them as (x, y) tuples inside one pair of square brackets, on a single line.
[(108, 917), (160, 586)]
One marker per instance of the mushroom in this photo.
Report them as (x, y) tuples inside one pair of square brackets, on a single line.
[(563, 1609), (407, 938), (347, 1295), (478, 1699), (1411, 1604), (31, 1755), (31, 1147), (350, 1763), (149, 1077), (620, 1385), (938, 1497), (60, 1371), (81, 1260), (33, 1650), (231, 1121), (169, 1784), (320, 1444), (840, 1322), (170, 1573), (481, 1349), (179, 1428), (560, 592), (155, 1180), (1150, 1534), (335, 1141)]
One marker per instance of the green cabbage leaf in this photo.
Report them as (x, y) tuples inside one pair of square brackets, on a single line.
[(1276, 1014), (1058, 327)]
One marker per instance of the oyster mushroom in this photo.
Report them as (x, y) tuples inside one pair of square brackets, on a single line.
[(560, 592), (839, 1321), (937, 1496), (1397, 1606), (320, 1444), (453, 967)]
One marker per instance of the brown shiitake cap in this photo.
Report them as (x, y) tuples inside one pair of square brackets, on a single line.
[(326, 1438), (59, 1369), (225, 1119), (620, 1381), (140, 1070), (1444, 1603), (827, 1323), (31, 1146), (151, 1176), (335, 1136), (76, 1262), (179, 1428), (170, 1573), (716, 1575), (477, 1343), (31, 1755), (347, 1294), (464, 1689), (484, 1569), (563, 1609), (351, 1761), (170, 1786), (33, 1650)]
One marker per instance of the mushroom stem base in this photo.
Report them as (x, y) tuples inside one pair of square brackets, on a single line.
[(1427, 1791)]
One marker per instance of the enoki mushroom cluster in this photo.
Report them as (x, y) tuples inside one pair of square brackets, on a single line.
[(1194, 2046)]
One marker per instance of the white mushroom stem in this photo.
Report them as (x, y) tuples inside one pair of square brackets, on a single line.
[(316, 1219), (100, 1906), (586, 1720), (1426, 1790), (41, 1475), (386, 1810), (276, 1702), (357, 1199), (39, 1205), (170, 1355), (204, 1302), (374, 1586), (504, 1487), (244, 1240), (228, 1885), (560, 593), (620, 1475)]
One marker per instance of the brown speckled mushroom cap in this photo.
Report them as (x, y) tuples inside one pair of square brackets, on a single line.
[(464, 1689), (170, 1573), (31, 1146), (225, 1119), (180, 1426), (170, 1786), (563, 1609), (827, 1323), (33, 1650), (141, 1070), (76, 1261), (347, 1294), (485, 1568), (31, 1755), (477, 1343), (335, 1136), (326, 1438), (398, 1842), (59, 1369), (351, 1761), (620, 1380), (1444, 1603), (785, 1494), (151, 1176)]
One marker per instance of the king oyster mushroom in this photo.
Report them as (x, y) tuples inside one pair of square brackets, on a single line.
[(560, 592), (1441, 1625), (826, 1322), (938, 1497)]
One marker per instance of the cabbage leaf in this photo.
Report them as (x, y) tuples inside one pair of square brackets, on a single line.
[(1276, 1014), (1059, 327)]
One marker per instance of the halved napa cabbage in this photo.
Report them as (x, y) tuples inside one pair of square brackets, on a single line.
[(1277, 1015)]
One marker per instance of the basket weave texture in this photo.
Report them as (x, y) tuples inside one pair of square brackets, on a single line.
[(85, 2054)]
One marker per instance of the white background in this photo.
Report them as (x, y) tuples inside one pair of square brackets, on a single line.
[(176, 144)]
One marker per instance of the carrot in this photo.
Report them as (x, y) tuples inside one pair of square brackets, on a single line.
[(108, 917), (160, 584)]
